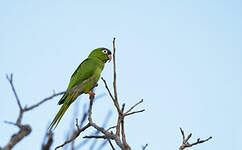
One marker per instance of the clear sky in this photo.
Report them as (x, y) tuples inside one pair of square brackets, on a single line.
[(183, 57)]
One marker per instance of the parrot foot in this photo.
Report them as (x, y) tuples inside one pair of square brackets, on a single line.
[(91, 94)]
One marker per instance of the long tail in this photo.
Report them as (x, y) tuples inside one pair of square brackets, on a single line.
[(62, 110)]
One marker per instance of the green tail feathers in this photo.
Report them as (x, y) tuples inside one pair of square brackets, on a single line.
[(59, 115), (68, 100)]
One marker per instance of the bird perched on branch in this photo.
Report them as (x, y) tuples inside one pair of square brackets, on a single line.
[(83, 80)]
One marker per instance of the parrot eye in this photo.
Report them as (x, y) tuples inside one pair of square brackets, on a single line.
[(105, 51)]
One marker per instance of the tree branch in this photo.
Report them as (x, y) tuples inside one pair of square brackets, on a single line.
[(185, 140)]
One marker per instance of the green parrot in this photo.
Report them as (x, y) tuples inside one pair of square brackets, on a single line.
[(83, 80)]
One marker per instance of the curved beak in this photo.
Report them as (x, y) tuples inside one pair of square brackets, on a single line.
[(109, 57)]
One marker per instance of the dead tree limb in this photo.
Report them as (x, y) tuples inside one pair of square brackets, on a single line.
[(24, 130)]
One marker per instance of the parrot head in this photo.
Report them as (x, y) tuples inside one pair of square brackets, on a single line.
[(103, 54)]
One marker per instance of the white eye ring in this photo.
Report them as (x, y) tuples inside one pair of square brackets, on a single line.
[(105, 51)]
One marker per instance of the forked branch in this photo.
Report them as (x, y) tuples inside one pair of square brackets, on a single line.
[(186, 144)]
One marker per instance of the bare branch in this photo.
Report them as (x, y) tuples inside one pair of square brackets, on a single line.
[(185, 143)]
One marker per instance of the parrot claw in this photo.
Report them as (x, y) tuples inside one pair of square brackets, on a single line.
[(91, 94)]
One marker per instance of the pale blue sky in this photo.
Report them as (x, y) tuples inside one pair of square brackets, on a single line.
[(184, 58)]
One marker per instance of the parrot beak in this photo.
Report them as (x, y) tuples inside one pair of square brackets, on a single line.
[(109, 57)]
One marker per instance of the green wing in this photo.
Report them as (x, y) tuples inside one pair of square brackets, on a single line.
[(84, 71)]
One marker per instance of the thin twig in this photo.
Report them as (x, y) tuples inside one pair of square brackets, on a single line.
[(110, 143), (144, 147), (139, 102), (106, 86), (114, 72), (111, 128), (44, 100), (77, 126), (10, 79), (95, 136), (183, 135), (134, 112), (12, 123), (115, 102)]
